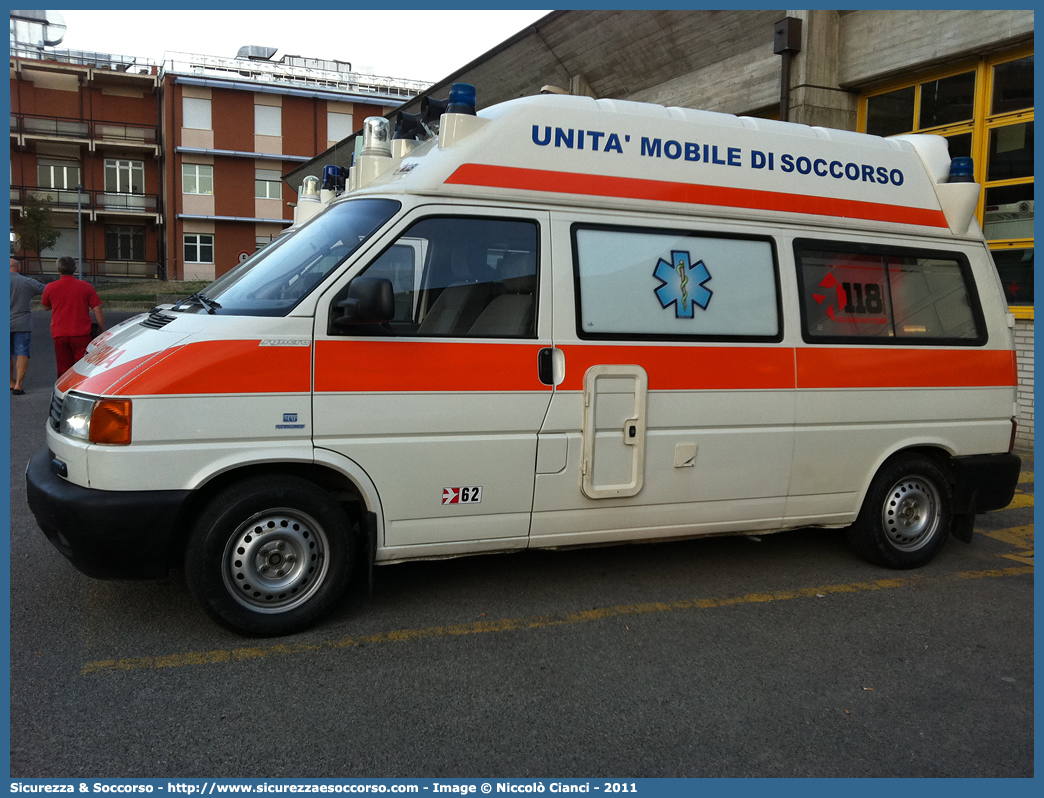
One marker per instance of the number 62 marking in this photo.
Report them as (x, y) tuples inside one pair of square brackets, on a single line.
[(469, 495)]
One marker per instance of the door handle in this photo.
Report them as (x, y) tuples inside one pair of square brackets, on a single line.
[(546, 365), (630, 431)]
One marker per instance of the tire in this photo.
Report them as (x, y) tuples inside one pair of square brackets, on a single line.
[(269, 556), (906, 516)]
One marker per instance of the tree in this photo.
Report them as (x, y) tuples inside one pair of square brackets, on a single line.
[(34, 225)]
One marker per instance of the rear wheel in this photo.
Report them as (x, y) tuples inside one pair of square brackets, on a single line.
[(269, 555), (906, 516)]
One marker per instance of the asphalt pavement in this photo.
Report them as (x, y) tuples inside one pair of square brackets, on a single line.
[(777, 656)]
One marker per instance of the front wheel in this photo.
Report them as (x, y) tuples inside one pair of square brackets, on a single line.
[(269, 555), (906, 516)]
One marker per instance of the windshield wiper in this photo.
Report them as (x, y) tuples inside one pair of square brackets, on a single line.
[(209, 305)]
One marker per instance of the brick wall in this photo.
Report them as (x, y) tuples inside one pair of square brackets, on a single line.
[(1024, 348)]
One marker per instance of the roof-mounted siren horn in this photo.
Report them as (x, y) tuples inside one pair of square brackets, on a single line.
[(409, 127), (410, 131), (959, 195), (432, 110)]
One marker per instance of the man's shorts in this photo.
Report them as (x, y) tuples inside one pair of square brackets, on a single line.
[(20, 344)]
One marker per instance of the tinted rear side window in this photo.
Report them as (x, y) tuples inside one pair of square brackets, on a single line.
[(854, 293)]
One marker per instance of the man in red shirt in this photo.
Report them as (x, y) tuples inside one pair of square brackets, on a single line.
[(71, 302)]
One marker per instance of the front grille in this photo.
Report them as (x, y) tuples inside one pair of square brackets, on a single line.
[(56, 409), (156, 320)]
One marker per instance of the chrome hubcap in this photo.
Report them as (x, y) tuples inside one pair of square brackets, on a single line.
[(275, 561)]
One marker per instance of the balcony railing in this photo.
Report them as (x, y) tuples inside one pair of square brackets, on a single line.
[(144, 203), (117, 63), (60, 197), (99, 130), (49, 126), (287, 72), (135, 134), (100, 200)]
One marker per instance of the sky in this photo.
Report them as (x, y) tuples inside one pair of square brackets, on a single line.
[(416, 44)]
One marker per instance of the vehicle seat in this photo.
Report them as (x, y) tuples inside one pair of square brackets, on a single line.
[(511, 314), (457, 308)]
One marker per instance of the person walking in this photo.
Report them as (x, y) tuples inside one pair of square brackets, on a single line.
[(71, 302), (23, 289)]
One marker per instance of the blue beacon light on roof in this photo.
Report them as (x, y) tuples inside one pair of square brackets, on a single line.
[(962, 170), (462, 99)]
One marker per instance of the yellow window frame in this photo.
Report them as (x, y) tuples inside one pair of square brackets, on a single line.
[(980, 126)]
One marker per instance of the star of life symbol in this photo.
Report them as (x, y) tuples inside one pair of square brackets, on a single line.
[(682, 284)]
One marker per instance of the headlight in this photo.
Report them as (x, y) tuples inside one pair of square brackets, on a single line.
[(96, 420), (76, 416)]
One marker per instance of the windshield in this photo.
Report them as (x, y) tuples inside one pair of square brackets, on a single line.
[(276, 278)]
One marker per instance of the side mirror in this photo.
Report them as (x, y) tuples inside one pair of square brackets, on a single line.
[(370, 300)]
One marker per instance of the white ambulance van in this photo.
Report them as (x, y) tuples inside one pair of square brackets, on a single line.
[(557, 322)]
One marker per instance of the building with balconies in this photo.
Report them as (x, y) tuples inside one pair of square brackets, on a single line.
[(174, 169), (85, 137)]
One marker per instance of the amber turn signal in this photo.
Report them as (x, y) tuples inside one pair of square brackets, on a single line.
[(111, 422)]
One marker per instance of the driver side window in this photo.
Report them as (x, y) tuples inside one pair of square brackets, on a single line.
[(461, 277)]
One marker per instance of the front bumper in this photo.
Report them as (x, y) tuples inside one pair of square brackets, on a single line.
[(105, 534)]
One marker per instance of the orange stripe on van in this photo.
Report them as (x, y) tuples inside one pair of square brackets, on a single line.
[(101, 381), (462, 367), (244, 367), (207, 367), (426, 366), (887, 367), (216, 367), (474, 366), (511, 177), (689, 368)]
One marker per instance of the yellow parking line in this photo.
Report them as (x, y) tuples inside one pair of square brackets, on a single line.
[(1025, 557), (531, 622), (1020, 500), (1025, 476), (1021, 536)]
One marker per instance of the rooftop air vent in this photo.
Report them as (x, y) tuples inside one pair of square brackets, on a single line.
[(254, 53)]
